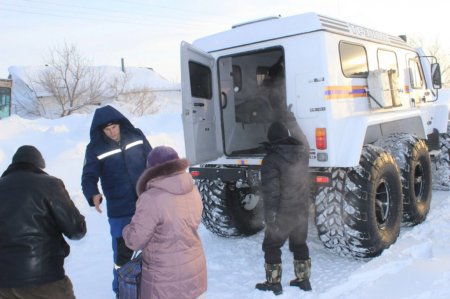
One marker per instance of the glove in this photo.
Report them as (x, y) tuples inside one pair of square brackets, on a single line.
[(272, 228), (289, 115), (270, 217), (123, 252)]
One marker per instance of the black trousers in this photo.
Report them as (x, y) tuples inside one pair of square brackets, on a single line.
[(61, 289), (286, 227)]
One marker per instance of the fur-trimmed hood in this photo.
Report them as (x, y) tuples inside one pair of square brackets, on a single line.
[(164, 227), (167, 169)]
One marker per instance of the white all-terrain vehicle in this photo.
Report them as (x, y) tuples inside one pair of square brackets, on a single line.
[(367, 102)]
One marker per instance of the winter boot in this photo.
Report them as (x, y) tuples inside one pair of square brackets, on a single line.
[(273, 279), (302, 270)]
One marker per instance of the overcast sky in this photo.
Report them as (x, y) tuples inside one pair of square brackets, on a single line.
[(148, 33)]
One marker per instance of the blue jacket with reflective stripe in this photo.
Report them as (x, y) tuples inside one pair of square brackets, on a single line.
[(117, 165)]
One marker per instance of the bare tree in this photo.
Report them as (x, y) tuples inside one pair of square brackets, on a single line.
[(71, 80), (142, 100), (117, 84), (443, 58), (435, 49), (69, 83)]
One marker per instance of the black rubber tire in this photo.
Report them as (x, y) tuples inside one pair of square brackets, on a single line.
[(223, 211), (360, 215), (413, 159)]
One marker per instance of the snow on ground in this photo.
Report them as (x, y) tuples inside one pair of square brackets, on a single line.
[(417, 266)]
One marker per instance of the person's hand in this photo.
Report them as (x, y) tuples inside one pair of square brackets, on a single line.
[(288, 114), (270, 216), (97, 200), (272, 228)]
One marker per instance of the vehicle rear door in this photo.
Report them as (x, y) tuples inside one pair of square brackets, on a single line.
[(200, 104)]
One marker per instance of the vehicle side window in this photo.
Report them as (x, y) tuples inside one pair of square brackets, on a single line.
[(237, 78), (4, 97), (200, 77), (415, 73), (387, 60), (353, 60), (262, 73)]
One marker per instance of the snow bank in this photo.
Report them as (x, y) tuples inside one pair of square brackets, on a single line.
[(417, 266)]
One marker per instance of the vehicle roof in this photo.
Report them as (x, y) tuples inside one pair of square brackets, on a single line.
[(278, 27), (5, 83)]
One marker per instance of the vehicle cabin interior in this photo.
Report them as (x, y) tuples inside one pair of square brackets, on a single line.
[(253, 92)]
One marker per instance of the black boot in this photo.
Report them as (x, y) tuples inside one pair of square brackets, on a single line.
[(302, 270), (273, 279)]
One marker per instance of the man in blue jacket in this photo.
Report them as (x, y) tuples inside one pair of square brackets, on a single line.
[(116, 155)]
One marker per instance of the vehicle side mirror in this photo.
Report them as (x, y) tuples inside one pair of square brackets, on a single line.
[(436, 75)]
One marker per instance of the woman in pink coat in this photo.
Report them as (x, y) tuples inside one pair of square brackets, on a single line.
[(164, 227)]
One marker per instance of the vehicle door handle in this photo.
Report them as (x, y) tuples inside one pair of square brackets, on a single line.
[(224, 100), (199, 104)]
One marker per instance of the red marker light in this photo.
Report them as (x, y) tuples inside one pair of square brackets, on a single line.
[(195, 173), (322, 179)]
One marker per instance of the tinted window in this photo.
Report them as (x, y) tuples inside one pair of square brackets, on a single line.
[(200, 77), (353, 60)]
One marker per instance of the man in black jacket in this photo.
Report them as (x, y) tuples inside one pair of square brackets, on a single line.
[(285, 189), (35, 212)]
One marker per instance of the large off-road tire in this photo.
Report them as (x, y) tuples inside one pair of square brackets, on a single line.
[(360, 214), (441, 163), (413, 159), (226, 211)]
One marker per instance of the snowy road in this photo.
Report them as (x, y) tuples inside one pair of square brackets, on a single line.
[(235, 265), (417, 266)]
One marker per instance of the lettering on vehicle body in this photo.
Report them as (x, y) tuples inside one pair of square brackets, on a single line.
[(317, 109), (366, 32)]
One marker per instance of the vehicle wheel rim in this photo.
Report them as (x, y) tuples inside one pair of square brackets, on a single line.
[(419, 182), (250, 201), (382, 203)]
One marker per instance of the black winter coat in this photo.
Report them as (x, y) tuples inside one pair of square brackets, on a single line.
[(285, 179), (35, 212), (118, 166)]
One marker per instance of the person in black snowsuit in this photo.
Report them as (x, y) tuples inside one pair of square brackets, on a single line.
[(285, 189), (116, 155), (36, 212)]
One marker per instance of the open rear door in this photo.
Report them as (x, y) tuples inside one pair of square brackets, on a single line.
[(202, 135)]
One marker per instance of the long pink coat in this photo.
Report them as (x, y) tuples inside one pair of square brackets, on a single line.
[(164, 227)]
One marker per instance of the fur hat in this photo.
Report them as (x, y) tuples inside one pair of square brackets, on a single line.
[(160, 155), (277, 131), (29, 154)]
